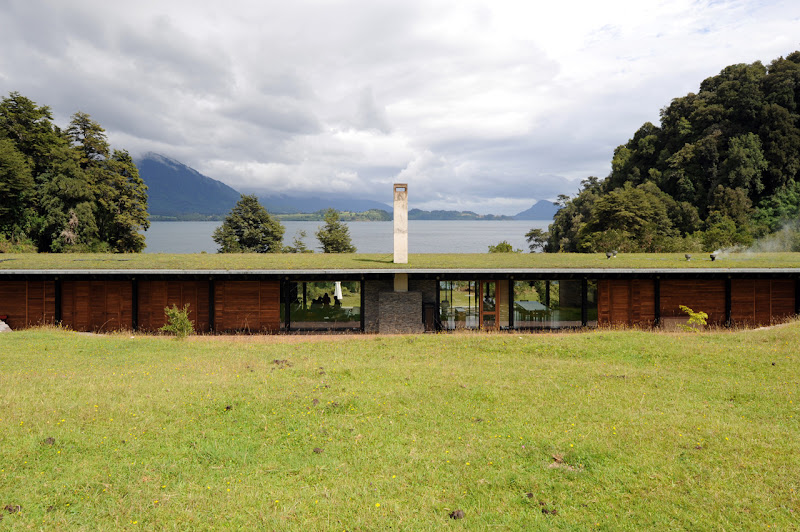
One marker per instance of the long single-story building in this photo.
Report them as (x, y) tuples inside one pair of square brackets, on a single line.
[(249, 293), (395, 300)]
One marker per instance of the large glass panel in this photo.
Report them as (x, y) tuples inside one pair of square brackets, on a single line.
[(458, 304), (547, 304), (591, 315), (489, 305), (324, 305)]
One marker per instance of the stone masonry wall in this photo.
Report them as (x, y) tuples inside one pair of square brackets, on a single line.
[(400, 312), (427, 287), (371, 310)]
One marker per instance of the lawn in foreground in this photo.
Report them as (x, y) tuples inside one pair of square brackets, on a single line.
[(600, 430)]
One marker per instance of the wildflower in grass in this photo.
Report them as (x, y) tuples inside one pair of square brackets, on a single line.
[(377, 505)]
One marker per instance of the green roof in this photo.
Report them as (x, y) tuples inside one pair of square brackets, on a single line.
[(363, 261)]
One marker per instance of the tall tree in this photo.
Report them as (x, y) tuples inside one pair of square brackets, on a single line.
[(121, 203), (16, 190), (66, 203), (249, 229), (334, 236), (31, 129), (121, 195)]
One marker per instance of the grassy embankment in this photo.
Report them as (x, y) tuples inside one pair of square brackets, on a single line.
[(362, 261), (602, 430)]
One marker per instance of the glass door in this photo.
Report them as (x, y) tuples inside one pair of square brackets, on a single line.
[(488, 305)]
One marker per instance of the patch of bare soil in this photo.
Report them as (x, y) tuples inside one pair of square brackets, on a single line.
[(559, 463)]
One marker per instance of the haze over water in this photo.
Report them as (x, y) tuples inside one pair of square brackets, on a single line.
[(424, 236)]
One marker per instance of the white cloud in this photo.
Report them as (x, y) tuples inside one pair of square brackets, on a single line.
[(487, 105)]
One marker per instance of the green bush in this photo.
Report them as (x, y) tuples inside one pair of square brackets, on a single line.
[(696, 319), (178, 322)]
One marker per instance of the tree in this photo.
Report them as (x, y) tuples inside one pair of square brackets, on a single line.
[(298, 246), (120, 194), (66, 203), (503, 247), (537, 239), (121, 204), (334, 237), (31, 129), (16, 191), (249, 229)]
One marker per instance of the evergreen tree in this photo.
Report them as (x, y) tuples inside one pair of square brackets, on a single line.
[(249, 229), (334, 236), (66, 191), (16, 190)]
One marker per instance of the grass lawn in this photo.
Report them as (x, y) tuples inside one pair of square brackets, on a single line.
[(602, 430), (365, 261)]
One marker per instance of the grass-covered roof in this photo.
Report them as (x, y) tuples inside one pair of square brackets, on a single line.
[(363, 261)]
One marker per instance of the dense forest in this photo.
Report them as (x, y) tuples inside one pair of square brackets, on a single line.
[(67, 190), (720, 171)]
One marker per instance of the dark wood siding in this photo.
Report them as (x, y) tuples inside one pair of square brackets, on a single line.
[(761, 301), (626, 302), (27, 303), (699, 295), (97, 305), (155, 295), (250, 306)]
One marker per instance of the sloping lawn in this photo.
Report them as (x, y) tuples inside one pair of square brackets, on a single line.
[(604, 430)]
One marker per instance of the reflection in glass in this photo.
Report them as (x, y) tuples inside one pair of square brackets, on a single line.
[(458, 304), (322, 305), (551, 304)]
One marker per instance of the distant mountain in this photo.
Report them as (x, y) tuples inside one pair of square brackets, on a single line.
[(417, 214), (176, 191), (541, 210), (286, 204)]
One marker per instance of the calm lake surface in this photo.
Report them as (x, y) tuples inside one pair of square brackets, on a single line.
[(424, 236)]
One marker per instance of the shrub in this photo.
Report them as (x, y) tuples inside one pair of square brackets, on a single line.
[(178, 322), (696, 319)]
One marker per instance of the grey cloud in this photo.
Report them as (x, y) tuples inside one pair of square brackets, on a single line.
[(370, 115)]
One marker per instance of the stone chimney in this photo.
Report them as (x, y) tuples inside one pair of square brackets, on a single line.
[(401, 223)]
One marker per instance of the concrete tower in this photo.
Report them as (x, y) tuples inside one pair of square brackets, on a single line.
[(401, 223)]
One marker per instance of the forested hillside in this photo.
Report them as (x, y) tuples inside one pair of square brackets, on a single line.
[(65, 190), (720, 170)]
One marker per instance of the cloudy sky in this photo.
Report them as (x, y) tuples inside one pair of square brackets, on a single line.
[(480, 105)]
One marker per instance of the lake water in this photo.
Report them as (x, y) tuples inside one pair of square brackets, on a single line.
[(424, 236)]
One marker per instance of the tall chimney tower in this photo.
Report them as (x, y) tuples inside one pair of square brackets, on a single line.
[(401, 223)]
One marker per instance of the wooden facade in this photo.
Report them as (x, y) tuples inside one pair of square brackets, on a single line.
[(154, 296), (248, 306), (97, 306), (742, 302), (757, 302), (28, 303), (706, 295), (626, 302)]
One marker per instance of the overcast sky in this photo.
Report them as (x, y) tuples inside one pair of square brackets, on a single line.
[(486, 106)]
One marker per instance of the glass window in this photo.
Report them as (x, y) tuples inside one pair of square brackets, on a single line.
[(549, 304), (323, 305), (459, 305)]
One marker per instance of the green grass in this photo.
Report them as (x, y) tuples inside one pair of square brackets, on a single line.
[(316, 261), (605, 430)]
